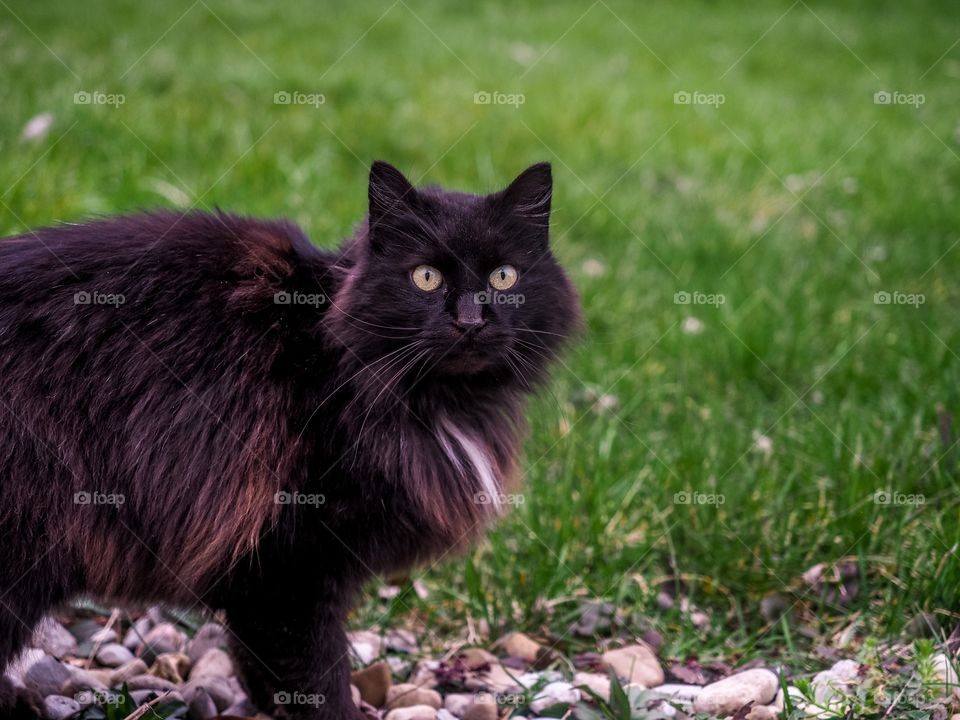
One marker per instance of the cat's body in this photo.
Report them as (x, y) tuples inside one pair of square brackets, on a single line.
[(208, 411)]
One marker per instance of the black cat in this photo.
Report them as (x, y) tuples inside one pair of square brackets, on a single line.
[(207, 410)]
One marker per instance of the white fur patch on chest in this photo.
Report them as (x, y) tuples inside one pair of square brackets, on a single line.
[(479, 463)]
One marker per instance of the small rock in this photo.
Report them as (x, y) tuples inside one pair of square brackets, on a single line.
[(104, 635), (54, 639), (373, 683), (171, 666), (415, 712), (201, 705), (481, 707), (128, 670), (137, 632), (677, 691), (517, 644), (494, 678), (58, 707), (637, 664), (830, 687), (457, 703), (162, 638), (726, 696), (424, 674), (555, 693), (945, 671), (220, 690), (243, 709), (81, 679), (209, 636), (365, 644), (475, 658), (600, 684), (763, 712), (114, 655), (214, 663), (149, 682), (409, 695), (401, 640), (46, 677)]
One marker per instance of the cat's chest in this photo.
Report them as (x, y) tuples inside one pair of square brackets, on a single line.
[(471, 458)]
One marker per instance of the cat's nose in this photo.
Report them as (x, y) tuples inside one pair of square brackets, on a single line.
[(469, 313)]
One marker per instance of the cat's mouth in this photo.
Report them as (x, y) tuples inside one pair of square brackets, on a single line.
[(472, 351)]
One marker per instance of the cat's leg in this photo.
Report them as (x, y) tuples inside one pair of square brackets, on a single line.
[(293, 655)]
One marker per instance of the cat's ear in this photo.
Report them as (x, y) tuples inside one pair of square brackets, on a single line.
[(389, 192), (528, 198)]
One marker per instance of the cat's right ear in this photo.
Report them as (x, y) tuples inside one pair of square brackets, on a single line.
[(389, 193)]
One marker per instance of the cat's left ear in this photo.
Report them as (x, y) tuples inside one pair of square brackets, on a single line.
[(389, 192), (528, 198)]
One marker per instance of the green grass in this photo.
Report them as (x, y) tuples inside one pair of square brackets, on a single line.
[(668, 197)]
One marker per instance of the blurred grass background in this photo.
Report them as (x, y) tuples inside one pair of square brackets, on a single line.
[(797, 199)]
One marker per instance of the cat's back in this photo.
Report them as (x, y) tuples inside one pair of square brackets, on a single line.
[(218, 245)]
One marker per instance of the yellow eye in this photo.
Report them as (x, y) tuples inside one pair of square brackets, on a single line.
[(427, 278), (504, 277)]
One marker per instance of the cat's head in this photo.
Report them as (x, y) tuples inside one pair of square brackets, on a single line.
[(449, 284)]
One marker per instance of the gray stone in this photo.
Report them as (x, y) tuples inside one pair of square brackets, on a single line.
[(46, 677), (637, 664), (415, 712), (726, 696), (207, 637), (555, 693), (214, 663), (201, 705), (114, 655), (409, 695), (457, 703), (54, 639), (128, 670), (81, 679), (219, 689), (162, 638), (137, 632), (149, 682), (58, 707)]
